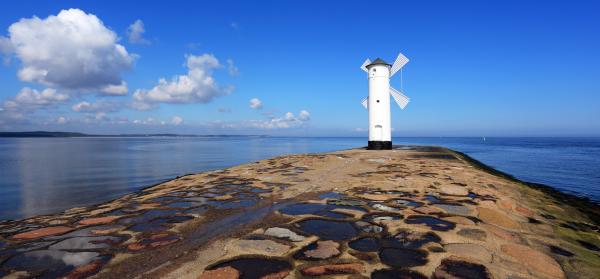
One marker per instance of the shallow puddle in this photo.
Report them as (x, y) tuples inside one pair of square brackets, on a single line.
[(52, 263), (318, 209), (331, 195), (252, 268), (365, 244), (589, 246), (328, 230), (402, 258), (148, 216), (432, 199), (432, 222), (409, 239), (81, 243), (461, 269), (397, 274), (407, 203), (560, 251)]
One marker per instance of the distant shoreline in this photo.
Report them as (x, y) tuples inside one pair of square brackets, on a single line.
[(47, 134)]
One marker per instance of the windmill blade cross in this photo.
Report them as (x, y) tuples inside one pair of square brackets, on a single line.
[(400, 98), (401, 60), (364, 65)]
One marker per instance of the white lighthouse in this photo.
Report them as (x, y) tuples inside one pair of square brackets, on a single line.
[(378, 101)]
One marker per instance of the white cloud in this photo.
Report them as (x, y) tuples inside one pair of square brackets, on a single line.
[(62, 120), (72, 50), (100, 106), (31, 99), (234, 25), (304, 115), (135, 33), (255, 103), (176, 120), (289, 120), (232, 69), (197, 86)]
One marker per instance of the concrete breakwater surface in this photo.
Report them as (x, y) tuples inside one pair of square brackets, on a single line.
[(411, 212)]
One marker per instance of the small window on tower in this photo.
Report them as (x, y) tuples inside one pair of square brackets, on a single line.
[(378, 101), (374, 70)]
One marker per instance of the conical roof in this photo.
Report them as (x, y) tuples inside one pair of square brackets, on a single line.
[(379, 61)]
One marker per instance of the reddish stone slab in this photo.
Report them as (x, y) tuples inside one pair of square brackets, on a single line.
[(351, 268), (99, 220), (48, 231)]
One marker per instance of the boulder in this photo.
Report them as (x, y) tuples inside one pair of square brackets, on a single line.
[(534, 259), (497, 218)]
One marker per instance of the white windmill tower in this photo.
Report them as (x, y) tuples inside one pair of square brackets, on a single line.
[(378, 101)]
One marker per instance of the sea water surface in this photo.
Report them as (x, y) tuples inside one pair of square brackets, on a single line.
[(48, 175)]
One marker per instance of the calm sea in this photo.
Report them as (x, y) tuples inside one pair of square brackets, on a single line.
[(47, 175)]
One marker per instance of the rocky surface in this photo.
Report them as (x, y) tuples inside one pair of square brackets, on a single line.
[(411, 212)]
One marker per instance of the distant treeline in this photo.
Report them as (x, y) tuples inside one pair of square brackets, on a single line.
[(46, 134)]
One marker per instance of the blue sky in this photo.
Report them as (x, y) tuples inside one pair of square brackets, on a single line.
[(522, 68)]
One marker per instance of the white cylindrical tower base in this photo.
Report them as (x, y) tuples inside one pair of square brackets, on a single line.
[(380, 135)]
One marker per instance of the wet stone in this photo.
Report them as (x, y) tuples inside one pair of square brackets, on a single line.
[(560, 251), (454, 209), (365, 244), (453, 267), (99, 220), (251, 268), (347, 202), (52, 263), (475, 234), (397, 274), (284, 233), (226, 272), (380, 218), (328, 230), (402, 258), (432, 222), (37, 233), (319, 250), (331, 269)]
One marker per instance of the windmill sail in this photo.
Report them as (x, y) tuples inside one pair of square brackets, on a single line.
[(401, 60), (400, 98), (365, 102), (364, 65)]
